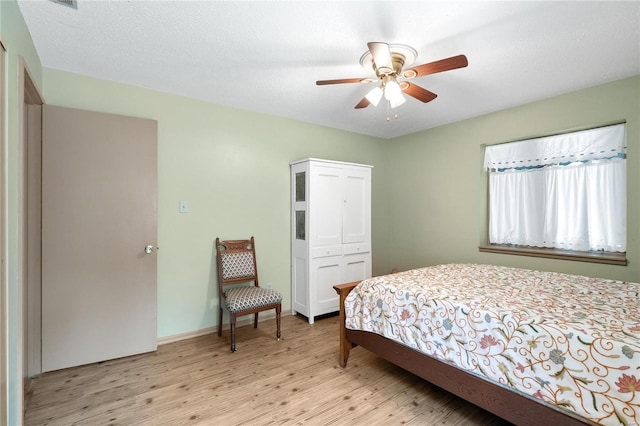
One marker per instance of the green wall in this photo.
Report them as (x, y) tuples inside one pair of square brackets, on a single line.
[(232, 167), (439, 187)]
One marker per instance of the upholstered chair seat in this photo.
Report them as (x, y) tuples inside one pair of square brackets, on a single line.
[(242, 298)]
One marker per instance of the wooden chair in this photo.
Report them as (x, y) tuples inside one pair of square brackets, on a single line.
[(237, 264)]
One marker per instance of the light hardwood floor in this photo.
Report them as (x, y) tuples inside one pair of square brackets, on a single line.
[(292, 382)]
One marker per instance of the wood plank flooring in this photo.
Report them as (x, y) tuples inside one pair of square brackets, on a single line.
[(294, 381)]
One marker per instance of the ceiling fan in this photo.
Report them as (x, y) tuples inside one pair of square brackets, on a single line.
[(388, 61)]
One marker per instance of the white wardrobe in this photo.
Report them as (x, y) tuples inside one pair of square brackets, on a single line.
[(331, 231)]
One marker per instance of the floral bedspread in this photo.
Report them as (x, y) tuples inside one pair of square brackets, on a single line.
[(568, 340)]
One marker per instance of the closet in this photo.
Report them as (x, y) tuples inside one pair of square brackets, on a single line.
[(330, 231)]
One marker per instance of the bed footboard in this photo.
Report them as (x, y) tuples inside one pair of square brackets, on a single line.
[(345, 344)]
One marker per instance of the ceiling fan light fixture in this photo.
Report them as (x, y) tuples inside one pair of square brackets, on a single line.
[(374, 96), (392, 90), (397, 101), (391, 62)]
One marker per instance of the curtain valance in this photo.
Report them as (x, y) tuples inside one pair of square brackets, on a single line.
[(587, 145)]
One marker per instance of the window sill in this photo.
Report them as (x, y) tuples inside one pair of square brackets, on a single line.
[(579, 256)]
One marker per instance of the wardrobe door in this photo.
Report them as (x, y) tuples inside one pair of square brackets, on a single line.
[(356, 214), (325, 204)]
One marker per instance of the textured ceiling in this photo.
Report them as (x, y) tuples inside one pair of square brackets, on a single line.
[(266, 56)]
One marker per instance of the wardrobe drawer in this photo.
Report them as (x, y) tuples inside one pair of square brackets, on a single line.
[(326, 251), (356, 248)]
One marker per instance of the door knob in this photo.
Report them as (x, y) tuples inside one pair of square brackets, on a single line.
[(149, 249)]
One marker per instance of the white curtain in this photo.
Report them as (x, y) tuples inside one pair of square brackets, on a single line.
[(578, 205)]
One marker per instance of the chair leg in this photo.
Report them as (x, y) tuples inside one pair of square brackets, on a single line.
[(255, 320), (220, 322), (278, 309), (232, 324)]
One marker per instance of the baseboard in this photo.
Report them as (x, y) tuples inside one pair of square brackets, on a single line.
[(186, 335), (246, 320)]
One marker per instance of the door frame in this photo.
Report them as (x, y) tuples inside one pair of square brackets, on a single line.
[(4, 322), (33, 227), (28, 326)]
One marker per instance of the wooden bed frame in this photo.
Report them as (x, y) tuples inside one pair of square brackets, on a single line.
[(501, 401)]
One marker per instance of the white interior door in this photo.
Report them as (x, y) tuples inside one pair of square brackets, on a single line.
[(99, 212)]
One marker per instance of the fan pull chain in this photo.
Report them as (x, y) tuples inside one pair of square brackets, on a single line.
[(395, 116)]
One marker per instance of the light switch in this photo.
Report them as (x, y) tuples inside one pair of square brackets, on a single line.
[(184, 208)]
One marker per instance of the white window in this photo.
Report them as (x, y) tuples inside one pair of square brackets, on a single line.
[(565, 192)]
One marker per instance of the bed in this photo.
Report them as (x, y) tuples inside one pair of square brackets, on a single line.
[(533, 347)]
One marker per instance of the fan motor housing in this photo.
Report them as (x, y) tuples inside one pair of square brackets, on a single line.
[(401, 55)]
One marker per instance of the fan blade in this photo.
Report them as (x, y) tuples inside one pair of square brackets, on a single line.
[(344, 80), (363, 103), (381, 56), (452, 63), (418, 92)]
